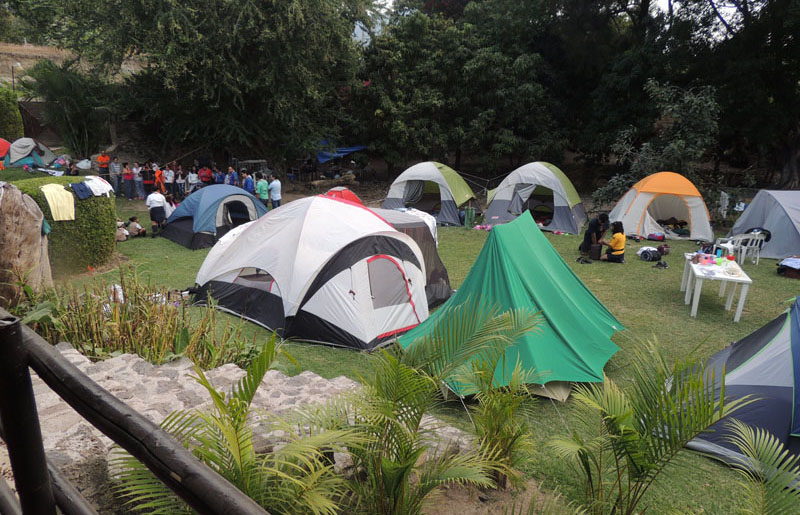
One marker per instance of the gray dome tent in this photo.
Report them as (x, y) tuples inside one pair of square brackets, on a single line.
[(766, 365), (428, 186), (538, 187), (779, 213)]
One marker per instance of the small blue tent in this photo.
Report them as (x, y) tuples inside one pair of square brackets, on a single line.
[(207, 214), (766, 365)]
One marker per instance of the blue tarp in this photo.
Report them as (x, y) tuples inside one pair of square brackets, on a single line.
[(323, 156), (202, 206)]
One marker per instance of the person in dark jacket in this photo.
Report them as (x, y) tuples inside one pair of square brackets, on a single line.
[(594, 235)]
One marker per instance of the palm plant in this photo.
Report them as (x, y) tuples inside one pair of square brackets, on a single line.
[(397, 469), (503, 400), (78, 103), (627, 439), (296, 477), (770, 475)]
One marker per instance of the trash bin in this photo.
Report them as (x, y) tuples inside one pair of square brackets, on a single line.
[(469, 217)]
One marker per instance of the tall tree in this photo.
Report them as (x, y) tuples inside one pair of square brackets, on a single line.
[(266, 75), (751, 53)]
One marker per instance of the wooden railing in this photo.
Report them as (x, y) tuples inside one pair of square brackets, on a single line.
[(40, 487)]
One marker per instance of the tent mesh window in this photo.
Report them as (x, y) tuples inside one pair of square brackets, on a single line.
[(387, 282), (257, 279)]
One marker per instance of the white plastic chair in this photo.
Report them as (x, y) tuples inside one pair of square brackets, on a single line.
[(742, 245)]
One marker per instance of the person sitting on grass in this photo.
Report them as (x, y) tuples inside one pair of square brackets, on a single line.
[(615, 253), (593, 236), (135, 228)]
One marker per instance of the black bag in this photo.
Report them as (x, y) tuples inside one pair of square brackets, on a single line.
[(595, 251), (650, 255)]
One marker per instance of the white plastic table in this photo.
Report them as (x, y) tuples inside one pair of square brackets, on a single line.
[(694, 275)]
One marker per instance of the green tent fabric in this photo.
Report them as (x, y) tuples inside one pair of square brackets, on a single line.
[(461, 190), (519, 268)]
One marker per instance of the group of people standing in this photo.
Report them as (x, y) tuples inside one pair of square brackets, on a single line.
[(163, 188), (139, 181)]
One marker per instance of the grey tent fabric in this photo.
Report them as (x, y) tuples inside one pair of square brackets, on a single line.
[(437, 285), (763, 365), (537, 185), (409, 190), (21, 148), (778, 212)]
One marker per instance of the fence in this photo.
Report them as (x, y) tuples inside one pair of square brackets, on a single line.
[(40, 487)]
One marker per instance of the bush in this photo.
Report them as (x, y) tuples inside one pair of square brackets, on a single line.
[(86, 241), (10, 117)]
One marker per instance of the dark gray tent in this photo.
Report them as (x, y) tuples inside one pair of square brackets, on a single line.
[(779, 213), (437, 287), (766, 365)]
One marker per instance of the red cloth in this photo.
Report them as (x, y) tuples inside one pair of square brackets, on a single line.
[(4, 146), (205, 174)]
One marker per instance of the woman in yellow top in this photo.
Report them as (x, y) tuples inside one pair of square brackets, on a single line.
[(615, 253)]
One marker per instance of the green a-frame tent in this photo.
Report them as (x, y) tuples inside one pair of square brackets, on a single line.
[(518, 268)]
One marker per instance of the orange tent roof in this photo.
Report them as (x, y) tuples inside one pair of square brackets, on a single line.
[(667, 182)]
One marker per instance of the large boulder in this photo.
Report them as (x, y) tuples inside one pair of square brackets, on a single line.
[(23, 247)]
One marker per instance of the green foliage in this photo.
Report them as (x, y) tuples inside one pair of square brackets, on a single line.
[(10, 117), (133, 316), (398, 468), (264, 75), (438, 86), (627, 439), (75, 244), (78, 103), (389, 413), (686, 130), (770, 474), (468, 349), (294, 478)]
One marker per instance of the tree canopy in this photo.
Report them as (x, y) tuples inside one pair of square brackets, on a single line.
[(502, 81)]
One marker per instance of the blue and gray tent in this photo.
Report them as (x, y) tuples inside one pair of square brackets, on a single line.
[(207, 214), (766, 365)]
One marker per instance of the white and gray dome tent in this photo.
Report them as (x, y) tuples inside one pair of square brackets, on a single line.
[(766, 365), (319, 269), (779, 213), (535, 186), (426, 186)]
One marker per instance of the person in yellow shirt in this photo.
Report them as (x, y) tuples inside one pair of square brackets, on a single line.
[(615, 253)]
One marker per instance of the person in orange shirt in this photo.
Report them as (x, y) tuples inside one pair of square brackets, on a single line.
[(159, 181), (103, 160)]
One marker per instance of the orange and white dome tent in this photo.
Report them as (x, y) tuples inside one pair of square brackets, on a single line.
[(662, 196)]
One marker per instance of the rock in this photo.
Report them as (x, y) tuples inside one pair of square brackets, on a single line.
[(23, 249), (82, 452)]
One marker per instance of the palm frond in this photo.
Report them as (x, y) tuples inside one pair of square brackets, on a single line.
[(246, 389), (771, 475)]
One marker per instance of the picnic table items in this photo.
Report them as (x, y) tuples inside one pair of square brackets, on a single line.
[(701, 267)]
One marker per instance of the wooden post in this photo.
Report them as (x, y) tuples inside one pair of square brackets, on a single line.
[(21, 423)]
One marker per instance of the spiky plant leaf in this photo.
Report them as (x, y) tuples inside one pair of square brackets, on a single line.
[(770, 474)]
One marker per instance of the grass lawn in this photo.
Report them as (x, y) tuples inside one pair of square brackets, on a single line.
[(645, 299)]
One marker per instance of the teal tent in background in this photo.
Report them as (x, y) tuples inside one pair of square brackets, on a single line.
[(518, 268)]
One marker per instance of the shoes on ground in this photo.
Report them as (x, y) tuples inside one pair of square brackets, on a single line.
[(661, 264)]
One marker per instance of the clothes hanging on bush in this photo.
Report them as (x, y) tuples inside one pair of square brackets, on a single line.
[(99, 186), (82, 191), (61, 202)]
